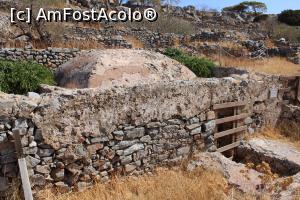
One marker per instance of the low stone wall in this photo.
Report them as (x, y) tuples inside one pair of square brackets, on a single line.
[(112, 37), (72, 137), (51, 57)]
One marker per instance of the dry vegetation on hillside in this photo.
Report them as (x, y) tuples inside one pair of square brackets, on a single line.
[(281, 30), (273, 65)]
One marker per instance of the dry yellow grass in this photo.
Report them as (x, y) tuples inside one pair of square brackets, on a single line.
[(15, 193), (288, 132), (174, 184), (274, 65)]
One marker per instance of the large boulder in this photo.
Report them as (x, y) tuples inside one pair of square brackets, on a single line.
[(119, 67)]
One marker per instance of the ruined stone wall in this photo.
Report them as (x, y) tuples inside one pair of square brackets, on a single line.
[(72, 137), (52, 57)]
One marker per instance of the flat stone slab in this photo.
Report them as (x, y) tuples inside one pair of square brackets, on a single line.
[(237, 174)]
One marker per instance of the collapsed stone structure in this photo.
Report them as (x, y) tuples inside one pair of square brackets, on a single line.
[(72, 137)]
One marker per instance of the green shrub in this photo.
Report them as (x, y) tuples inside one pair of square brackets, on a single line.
[(200, 66), (20, 77), (290, 17)]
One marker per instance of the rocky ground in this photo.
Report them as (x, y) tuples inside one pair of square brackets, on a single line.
[(258, 175)]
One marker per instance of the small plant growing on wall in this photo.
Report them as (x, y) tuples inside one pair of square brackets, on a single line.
[(20, 77)]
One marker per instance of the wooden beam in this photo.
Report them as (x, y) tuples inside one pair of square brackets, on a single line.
[(23, 168), (287, 78), (229, 105), (229, 132), (298, 89), (18, 145), (25, 179), (228, 147), (231, 118)]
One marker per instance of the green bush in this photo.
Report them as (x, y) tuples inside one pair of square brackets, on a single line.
[(20, 77), (200, 66), (290, 17)]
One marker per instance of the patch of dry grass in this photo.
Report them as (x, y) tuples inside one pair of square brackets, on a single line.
[(174, 184), (15, 192), (288, 132), (274, 65)]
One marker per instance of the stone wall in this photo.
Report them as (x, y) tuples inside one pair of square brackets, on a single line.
[(72, 137), (52, 57), (291, 113), (112, 37)]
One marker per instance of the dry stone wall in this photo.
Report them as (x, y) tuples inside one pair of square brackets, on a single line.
[(73, 137), (52, 57)]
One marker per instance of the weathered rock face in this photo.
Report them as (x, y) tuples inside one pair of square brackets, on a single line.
[(107, 68)]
